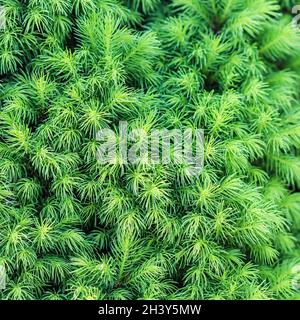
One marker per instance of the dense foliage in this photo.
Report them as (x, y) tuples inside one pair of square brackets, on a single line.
[(73, 228)]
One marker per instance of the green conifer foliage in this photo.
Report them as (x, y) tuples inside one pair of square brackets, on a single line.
[(73, 228)]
